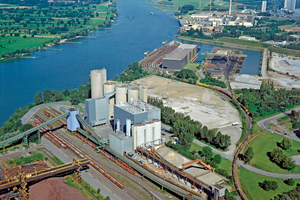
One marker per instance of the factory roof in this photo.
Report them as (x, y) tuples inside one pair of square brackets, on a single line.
[(96, 98), (136, 107), (180, 52), (120, 135), (233, 18)]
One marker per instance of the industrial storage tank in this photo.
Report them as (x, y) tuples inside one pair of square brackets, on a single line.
[(143, 94), (157, 131), (149, 132), (109, 87), (134, 132), (140, 135), (98, 77), (133, 94), (121, 95)]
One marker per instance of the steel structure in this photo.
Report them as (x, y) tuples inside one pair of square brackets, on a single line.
[(22, 179), (155, 178), (229, 54), (26, 133), (99, 142)]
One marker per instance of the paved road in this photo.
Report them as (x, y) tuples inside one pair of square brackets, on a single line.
[(33, 110), (264, 64), (292, 134), (86, 176)]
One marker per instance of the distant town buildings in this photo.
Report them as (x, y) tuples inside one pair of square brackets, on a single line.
[(290, 4), (264, 6)]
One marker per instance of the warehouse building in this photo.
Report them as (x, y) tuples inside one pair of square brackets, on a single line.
[(97, 110), (120, 142), (178, 58)]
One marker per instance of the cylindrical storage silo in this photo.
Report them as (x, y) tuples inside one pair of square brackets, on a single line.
[(118, 125), (157, 131), (98, 77), (109, 87), (121, 94), (128, 127), (134, 132), (133, 94), (143, 94), (140, 135), (149, 132)]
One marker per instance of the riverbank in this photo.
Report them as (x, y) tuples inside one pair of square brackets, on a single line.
[(242, 44)]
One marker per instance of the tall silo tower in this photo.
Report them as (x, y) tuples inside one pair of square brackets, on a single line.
[(98, 77)]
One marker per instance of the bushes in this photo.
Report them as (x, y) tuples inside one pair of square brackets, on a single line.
[(187, 74), (289, 182), (212, 81), (277, 156), (269, 185)]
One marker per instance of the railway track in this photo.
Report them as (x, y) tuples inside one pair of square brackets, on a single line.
[(107, 166)]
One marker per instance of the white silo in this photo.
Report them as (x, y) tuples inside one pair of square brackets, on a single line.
[(118, 125), (149, 132), (133, 94), (143, 94), (109, 87), (98, 77), (121, 94), (128, 127), (140, 135), (157, 131), (134, 133)]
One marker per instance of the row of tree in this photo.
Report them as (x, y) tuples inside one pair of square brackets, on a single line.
[(186, 129), (290, 195), (187, 74), (209, 80), (132, 72), (277, 156)]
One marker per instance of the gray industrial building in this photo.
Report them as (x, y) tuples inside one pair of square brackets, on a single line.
[(97, 110), (178, 58), (137, 111), (119, 142)]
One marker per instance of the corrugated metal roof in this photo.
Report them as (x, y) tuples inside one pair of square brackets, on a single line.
[(180, 52)]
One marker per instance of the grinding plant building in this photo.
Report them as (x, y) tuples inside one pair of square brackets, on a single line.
[(178, 58)]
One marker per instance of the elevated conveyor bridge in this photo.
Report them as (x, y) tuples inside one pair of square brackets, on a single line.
[(26, 133)]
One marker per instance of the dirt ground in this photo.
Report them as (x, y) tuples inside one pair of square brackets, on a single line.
[(54, 189), (205, 105)]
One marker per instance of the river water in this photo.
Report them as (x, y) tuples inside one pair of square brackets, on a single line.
[(113, 48)]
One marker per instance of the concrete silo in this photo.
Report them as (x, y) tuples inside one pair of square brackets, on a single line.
[(140, 135), (121, 95), (98, 77), (109, 87), (149, 132), (143, 94), (157, 131), (133, 94), (134, 132)]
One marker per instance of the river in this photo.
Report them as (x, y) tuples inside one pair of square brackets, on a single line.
[(114, 48)]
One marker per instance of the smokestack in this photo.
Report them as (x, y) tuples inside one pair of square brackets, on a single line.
[(229, 12)]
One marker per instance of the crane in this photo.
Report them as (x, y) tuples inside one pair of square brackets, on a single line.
[(228, 54), (146, 53), (185, 165), (165, 42)]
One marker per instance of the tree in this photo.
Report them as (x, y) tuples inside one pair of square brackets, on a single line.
[(47, 95), (218, 139), (288, 163), (207, 152), (74, 99), (26, 127), (290, 182), (98, 191), (248, 155), (269, 185), (225, 141), (217, 158), (277, 155), (38, 98), (286, 143)]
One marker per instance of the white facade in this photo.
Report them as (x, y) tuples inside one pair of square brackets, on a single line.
[(98, 77), (264, 6), (121, 95), (157, 131), (133, 94), (290, 4)]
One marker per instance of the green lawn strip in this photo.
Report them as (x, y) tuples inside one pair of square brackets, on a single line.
[(192, 66), (255, 128), (270, 124), (25, 160), (225, 164), (212, 146), (250, 184), (59, 162), (265, 143), (281, 119), (288, 126), (70, 181), (12, 43)]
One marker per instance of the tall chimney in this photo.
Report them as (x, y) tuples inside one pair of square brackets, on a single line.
[(229, 12)]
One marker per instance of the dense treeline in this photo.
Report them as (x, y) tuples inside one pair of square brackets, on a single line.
[(292, 194), (133, 72), (186, 129), (267, 100), (212, 81), (187, 74)]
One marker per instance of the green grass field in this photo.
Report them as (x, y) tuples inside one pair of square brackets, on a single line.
[(281, 119), (25, 160), (265, 143), (250, 183), (270, 124), (192, 66), (288, 126), (20, 43)]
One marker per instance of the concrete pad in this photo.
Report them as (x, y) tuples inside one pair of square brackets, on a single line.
[(197, 170), (210, 178), (172, 157), (297, 159)]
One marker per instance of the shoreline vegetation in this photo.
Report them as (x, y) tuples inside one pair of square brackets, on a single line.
[(24, 31)]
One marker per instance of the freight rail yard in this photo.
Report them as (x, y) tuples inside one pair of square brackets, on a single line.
[(120, 154)]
